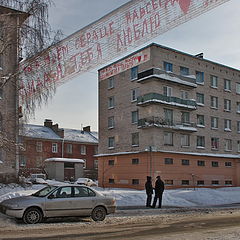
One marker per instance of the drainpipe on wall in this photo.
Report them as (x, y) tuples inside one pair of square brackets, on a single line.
[(62, 147)]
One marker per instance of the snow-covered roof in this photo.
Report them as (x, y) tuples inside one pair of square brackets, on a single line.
[(37, 131), (72, 160), (80, 136), (42, 132)]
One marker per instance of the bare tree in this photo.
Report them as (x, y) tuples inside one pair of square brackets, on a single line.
[(17, 42)]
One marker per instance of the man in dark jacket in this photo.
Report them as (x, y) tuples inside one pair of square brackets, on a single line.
[(159, 188), (149, 191)]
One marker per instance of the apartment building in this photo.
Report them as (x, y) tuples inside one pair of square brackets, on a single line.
[(50, 141), (10, 23), (169, 113)]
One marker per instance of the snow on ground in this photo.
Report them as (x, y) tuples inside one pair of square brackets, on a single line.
[(130, 197)]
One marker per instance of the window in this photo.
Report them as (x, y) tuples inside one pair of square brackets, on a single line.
[(95, 149), (83, 150), (168, 160), (200, 98), (238, 126), (227, 85), (54, 147), (214, 122), (228, 182), (168, 138), (185, 162), (111, 162), (184, 71), (95, 164), (185, 182), (184, 94), (227, 125), (69, 148), (39, 146), (200, 120), (200, 141), (22, 161), (228, 164), (111, 180), (238, 146), (84, 163), (135, 139), (238, 107), (214, 81), (215, 143), (185, 140), (200, 182), (214, 164), (227, 105), (111, 83), (168, 116), (167, 91), (214, 102), (228, 145), (111, 142), (185, 117), (199, 77), (111, 122), (64, 192), (134, 117), (39, 161), (83, 192), (111, 102), (201, 163), (135, 161), (134, 73), (134, 94), (238, 88), (215, 182), (135, 181), (168, 66), (168, 182)]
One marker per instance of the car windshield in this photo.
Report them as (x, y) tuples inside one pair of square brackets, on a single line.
[(44, 192)]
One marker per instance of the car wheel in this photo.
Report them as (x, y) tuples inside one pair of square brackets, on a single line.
[(99, 214), (32, 216)]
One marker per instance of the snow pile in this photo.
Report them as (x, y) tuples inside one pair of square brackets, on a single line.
[(130, 197)]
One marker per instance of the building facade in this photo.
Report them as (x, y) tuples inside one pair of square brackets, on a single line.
[(10, 23), (169, 113), (50, 141)]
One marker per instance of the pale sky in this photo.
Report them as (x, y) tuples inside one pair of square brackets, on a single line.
[(75, 104)]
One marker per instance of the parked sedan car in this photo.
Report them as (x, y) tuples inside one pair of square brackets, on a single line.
[(59, 201), (86, 181)]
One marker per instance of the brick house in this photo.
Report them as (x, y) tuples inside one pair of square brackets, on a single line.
[(50, 141), (169, 113)]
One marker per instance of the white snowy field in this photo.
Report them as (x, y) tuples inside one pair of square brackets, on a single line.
[(129, 197)]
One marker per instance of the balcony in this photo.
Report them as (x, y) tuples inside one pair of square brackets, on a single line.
[(167, 124), (158, 74), (157, 98)]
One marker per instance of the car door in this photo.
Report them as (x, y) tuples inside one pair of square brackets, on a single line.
[(59, 203), (84, 200)]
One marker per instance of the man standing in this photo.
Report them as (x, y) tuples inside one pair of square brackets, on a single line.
[(149, 191), (159, 188)]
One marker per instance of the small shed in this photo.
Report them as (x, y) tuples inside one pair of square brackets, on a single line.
[(62, 169)]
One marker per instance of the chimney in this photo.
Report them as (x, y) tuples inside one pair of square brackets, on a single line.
[(48, 123), (87, 129)]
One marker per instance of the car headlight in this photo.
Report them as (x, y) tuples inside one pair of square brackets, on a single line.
[(13, 206)]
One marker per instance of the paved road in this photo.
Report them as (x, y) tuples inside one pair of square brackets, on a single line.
[(135, 224)]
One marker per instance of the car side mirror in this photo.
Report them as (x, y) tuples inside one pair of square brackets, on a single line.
[(51, 196)]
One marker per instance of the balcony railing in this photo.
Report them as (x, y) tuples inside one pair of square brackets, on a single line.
[(167, 76), (166, 123), (162, 99)]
